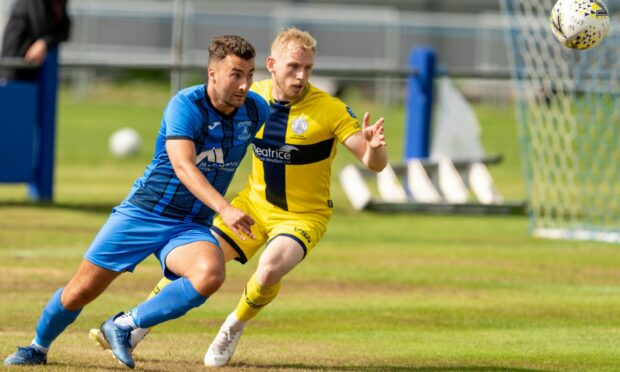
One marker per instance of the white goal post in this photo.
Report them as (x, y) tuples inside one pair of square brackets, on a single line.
[(568, 112)]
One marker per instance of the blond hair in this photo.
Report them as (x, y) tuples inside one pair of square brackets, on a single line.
[(294, 36)]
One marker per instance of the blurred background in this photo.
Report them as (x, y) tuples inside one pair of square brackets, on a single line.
[(351, 34), (160, 46)]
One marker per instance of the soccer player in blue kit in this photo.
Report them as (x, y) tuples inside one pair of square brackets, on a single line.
[(204, 134)]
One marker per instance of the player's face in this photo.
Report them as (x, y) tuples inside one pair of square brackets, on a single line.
[(290, 70), (229, 82)]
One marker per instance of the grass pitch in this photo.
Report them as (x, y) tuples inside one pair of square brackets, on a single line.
[(380, 292)]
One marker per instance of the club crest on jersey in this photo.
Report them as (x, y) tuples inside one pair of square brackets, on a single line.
[(243, 128), (299, 125)]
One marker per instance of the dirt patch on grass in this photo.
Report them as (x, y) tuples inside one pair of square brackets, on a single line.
[(39, 227), (18, 279)]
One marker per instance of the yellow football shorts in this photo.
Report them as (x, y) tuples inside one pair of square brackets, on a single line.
[(270, 222)]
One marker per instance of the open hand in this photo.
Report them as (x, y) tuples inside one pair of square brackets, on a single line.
[(373, 133)]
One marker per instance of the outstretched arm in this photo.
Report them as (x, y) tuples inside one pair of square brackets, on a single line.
[(182, 154), (368, 145)]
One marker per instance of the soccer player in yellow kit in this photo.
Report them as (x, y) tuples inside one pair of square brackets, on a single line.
[(288, 192)]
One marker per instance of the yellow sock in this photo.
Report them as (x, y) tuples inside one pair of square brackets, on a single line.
[(254, 298), (162, 283)]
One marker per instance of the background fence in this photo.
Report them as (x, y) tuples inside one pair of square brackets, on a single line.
[(355, 41)]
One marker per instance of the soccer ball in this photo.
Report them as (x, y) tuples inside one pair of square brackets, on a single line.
[(124, 143), (579, 24)]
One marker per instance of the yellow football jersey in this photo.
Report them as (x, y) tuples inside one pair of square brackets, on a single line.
[(293, 151)]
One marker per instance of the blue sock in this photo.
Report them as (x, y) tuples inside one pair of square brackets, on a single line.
[(176, 299), (54, 319)]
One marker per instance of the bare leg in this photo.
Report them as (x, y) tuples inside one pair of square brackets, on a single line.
[(86, 284)]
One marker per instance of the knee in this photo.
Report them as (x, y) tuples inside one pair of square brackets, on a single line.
[(268, 275), (75, 297), (207, 277)]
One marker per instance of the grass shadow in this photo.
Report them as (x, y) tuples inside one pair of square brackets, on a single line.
[(100, 208)]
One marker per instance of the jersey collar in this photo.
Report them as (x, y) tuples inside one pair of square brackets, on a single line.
[(221, 114)]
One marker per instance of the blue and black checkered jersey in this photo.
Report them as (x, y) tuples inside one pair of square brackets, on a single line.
[(221, 142)]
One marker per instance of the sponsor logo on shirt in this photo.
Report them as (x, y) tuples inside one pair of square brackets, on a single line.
[(214, 125), (280, 155), (214, 159)]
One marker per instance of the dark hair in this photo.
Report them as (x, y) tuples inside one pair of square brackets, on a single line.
[(223, 45)]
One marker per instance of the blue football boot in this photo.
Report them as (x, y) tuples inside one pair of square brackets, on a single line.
[(119, 339), (26, 356)]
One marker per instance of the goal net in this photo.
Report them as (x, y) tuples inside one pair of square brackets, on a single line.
[(568, 113)]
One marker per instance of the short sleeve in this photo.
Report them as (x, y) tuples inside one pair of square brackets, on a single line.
[(346, 123), (181, 119)]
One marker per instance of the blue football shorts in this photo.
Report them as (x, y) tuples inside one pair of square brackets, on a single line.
[(131, 234)]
